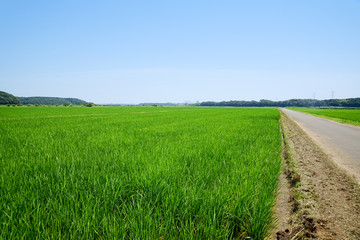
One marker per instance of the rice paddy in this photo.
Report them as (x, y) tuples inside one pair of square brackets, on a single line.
[(138, 172)]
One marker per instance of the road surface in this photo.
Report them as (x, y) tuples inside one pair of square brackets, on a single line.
[(341, 142)]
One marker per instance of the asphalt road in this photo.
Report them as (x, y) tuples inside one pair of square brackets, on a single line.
[(340, 141)]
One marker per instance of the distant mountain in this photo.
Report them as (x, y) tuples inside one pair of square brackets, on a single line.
[(51, 100), (7, 98)]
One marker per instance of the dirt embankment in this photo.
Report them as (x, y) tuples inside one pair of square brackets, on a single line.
[(323, 202)]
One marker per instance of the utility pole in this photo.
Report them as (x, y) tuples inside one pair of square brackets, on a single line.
[(332, 94)]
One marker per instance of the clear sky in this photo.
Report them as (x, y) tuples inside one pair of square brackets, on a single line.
[(180, 50)]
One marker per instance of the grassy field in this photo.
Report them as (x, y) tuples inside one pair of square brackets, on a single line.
[(138, 172), (350, 116)]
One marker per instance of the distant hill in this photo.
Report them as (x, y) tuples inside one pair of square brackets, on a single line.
[(51, 100), (7, 98)]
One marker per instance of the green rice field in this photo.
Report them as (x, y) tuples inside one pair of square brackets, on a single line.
[(138, 172), (350, 116)]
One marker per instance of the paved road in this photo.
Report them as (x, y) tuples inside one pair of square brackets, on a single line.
[(340, 141)]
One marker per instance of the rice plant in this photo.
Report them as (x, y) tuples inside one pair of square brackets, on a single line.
[(138, 172)]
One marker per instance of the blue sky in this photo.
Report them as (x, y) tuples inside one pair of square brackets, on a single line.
[(179, 50)]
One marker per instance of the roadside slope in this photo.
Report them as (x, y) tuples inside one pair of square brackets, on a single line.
[(325, 201)]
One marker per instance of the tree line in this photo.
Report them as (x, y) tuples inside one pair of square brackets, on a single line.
[(345, 103)]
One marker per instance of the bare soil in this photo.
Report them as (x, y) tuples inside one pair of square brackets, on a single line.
[(323, 202)]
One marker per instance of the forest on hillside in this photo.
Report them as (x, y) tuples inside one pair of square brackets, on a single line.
[(7, 98), (51, 100)]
